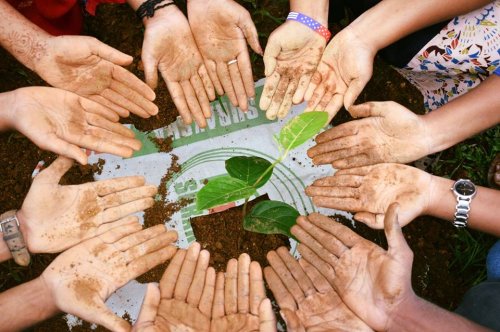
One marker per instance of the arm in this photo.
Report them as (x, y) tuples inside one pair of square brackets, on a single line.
[(34, 298), (406, 17), (6, 107)]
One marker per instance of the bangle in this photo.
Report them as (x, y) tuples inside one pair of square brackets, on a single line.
[(311, 23), (9, 225), (149, 7)]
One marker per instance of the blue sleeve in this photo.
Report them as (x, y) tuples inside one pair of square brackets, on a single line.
[(497, 71)]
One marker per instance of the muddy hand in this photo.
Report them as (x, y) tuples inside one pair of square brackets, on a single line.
[(306, 299), (55, 217), (92, 69), (369, 191), (371, 281), (63, 122), (344, 69), (291, 57), (222, 29), (83, 277), (240, 302), (169, 47), (389, 133)]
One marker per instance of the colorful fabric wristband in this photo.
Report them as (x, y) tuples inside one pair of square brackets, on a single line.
[(311, 23)]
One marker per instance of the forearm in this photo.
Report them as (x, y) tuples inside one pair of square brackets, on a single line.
[(465, 116), (21, 38), (416, 314), (33, 298), (391, 20), (317, 9), (484, 210)]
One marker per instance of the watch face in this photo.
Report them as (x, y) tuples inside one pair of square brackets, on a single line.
[(465, 188)]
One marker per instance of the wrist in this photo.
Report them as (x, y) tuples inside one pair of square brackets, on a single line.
[(160, 14), (406, 311), (441, 202), (45, 298), (317, 10), (8, 110)]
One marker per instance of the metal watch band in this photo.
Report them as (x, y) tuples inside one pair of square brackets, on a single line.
[(9, 225), (462, 212)]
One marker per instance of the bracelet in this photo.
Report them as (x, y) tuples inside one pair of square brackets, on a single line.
[(149, 7), (9, 225), (311, 23)]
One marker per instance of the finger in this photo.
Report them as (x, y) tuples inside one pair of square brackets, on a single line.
[(285, 275), (299, 94), (198, 285), (304, 237), (140, 237), (333, 106), (61, 147), (366, 109), (257, 289), (293, 323), (150, 65), (353, 181), (212, 72), (273, 49), (110, 186), (344, 130), (341, 232), (133, 82), (113, 127), (186, 274), (225, 79), (145, 106), (118, 110), (109, 53), (245, 68), (315, 81), (371, 220), (269, 89), (145, 263), (207, 297), (342, 203), (103, 228), (122, 101), (322, 238), (122, 228), (149, 306), (298, 274), (243, 284), (123, 210), (202, 95), (98, 144), (231, 288), (154, 244), (281, 294), (287, 99), (179, 100), (207, 82), (267, 319), (353, 161), (247, 26), (278, 98), (193, 104), (353, 91), (103, 316), (395, 239), (316, 97), (319, 282), (127, 195), (323, 267), (55, 171), (97, 108), (355, 171), (218, 308), (171, 275), (339, 192)]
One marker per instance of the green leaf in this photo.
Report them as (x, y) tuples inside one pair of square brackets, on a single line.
[(222, 190), (249, 169), (301, 128), (271, 217)]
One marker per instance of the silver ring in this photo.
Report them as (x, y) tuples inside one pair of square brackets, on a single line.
[(232, 61)]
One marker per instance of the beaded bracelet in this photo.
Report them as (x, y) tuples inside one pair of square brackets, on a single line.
[(311, 23), (148, 8)]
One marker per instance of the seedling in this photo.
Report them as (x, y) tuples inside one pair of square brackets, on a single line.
[(248, 173)]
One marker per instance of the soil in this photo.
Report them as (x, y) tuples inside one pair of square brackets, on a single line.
[(434, 241)]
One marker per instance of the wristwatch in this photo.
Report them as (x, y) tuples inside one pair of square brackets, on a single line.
[(9, 226), (464, 191)]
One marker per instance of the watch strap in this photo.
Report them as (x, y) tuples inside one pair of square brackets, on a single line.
[(462, 212), (9, 225)]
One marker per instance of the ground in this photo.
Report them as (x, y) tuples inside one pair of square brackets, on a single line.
[(447, 261)]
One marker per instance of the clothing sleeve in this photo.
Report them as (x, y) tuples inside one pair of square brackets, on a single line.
[(497, 71), (91, 5)]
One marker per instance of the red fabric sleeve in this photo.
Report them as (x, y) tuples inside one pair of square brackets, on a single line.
[(91, 5)]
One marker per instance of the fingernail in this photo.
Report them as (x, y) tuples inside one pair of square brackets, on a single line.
[(251, 101)]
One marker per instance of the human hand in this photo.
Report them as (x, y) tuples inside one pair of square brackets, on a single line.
[(92, 69), (54, 218), (371, 281), (63, 122), (389, 133), (220, 28), (306, 300), (169, 47), (369, 191), (344, 69), (83, 277), (291, 57), (240, 302)]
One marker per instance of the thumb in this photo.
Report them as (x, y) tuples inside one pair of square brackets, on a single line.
[(292, 321), (367, 109), (371, 220), (55, 171), (273, 49), (150, 71), (106, 318), (149, 307), (395, 238), (248, 28), (109, 53), (353, 90), (267, 320)]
